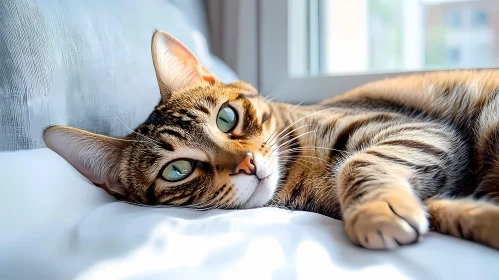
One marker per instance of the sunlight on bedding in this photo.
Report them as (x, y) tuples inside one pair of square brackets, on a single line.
[(272, 217), (164, 250), (313, 262), (252, 264)]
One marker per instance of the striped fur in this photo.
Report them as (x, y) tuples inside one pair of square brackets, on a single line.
[(391, 158)]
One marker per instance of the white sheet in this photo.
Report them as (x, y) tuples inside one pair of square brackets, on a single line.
[(56, 225)]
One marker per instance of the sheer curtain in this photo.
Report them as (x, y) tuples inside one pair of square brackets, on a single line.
[(234, 34)]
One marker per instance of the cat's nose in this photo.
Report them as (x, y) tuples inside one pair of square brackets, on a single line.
[(247, 165)]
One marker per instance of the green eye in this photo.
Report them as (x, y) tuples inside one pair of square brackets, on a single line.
[(226, 119), (177, 170)]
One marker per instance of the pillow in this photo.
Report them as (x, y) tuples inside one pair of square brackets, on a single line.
[(85, 64), (56, 225)]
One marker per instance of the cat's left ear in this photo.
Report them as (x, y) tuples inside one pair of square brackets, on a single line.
[(94, 156), (176, 67)]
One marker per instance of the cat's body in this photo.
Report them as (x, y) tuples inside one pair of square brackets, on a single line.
[(336, 131), (376, 157)]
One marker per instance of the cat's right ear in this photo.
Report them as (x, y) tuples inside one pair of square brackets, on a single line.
[(94, 156), (176, 67)]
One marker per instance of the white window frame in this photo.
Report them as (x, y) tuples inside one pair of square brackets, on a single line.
[(273, 66)]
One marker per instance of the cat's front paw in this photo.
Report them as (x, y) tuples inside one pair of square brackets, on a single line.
[(387, 223)]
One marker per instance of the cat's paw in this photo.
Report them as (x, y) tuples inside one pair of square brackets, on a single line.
[(387, 223), (466, 218)]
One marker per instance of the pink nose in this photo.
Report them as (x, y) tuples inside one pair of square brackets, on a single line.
[(246, 165)]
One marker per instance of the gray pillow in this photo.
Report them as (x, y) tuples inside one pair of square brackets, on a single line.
[(85, 64)]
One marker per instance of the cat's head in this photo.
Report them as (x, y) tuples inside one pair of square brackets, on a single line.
[(204, 145)]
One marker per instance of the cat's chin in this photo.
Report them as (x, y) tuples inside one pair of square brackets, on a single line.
[(263, 189), (263, 192)]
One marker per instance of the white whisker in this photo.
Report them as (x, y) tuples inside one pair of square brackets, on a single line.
[(289, 112), (297, 161), (269, 98), (308, 157), (129, 140), (146, 205), (309, 148), (284, 137), (305, 133), (309, 115), (153, 141)]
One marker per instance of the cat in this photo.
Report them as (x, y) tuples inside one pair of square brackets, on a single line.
[(392, 159)]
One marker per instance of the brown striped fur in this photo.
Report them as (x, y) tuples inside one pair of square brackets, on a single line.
[(391, 158)]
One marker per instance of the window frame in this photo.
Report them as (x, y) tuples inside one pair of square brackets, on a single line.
[(274, 78), (476, 21)]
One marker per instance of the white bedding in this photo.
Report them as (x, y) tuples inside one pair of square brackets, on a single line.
[(56, 225)]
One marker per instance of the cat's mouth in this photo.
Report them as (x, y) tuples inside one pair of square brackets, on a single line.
[(266, 184), (262, 193), (264, 177), (255, 186)]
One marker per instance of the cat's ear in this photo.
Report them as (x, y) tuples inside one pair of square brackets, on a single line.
[(176, 67), (94, 156)]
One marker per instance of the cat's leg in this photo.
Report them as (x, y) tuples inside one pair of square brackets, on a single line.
[(472, 219), (465, 218), (379, 207), (380, 188)]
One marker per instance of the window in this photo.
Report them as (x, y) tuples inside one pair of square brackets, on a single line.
[(454, 19), (480, 18), (484, 55), (329, 46), (453, 56)]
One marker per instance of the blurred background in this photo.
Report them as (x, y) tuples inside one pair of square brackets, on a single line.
[(87, 63), (392, 35), (310, 42)]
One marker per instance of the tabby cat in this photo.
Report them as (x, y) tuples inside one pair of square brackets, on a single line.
[(392, 158)]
